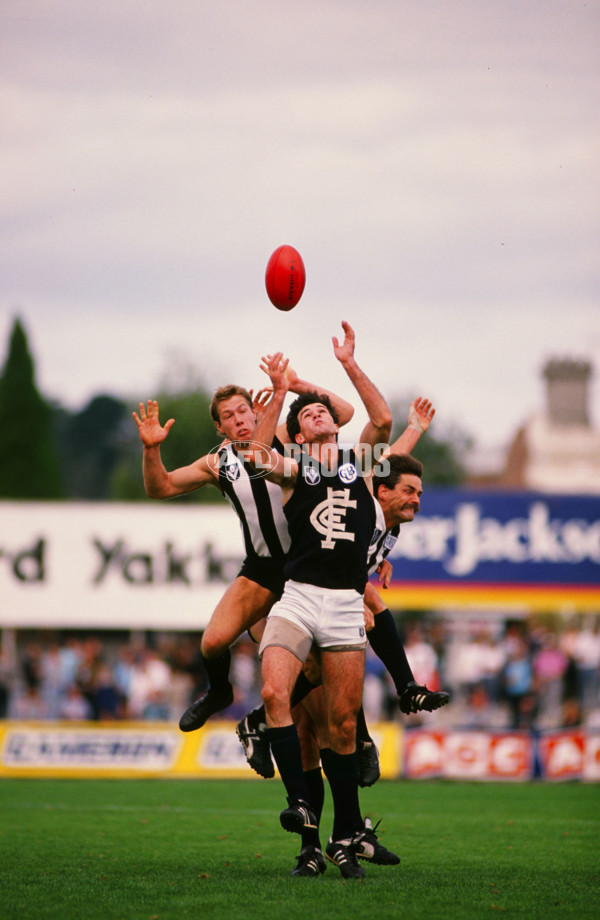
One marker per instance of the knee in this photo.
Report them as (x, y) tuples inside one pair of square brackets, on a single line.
[(270, 695), (343, 732), (277, 704), (213, 645)]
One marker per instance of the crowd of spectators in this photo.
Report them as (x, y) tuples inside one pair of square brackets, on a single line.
[(509, 675), (517, 675)]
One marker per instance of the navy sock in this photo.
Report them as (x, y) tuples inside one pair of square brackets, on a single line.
[(285, 747), (341, 771), (302, 688), (217, 670), (316, 789), (387, 645), (362, 732)]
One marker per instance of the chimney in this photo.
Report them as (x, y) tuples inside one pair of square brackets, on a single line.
[(567, 382)]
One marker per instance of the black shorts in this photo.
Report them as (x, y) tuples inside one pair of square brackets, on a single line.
[(265, 571)]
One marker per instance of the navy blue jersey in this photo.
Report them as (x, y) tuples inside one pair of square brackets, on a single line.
[(331, 518)]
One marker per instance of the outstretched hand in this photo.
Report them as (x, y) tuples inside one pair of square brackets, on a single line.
[(345, 351), (261, 400), (151, 431), (420, 414), (275, 366)]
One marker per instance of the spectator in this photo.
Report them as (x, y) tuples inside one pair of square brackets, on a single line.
[(148, 692), (549, 667), (245, 678), (585, 651), (29, 704), (74, 706), (422, 658), (7, 678), (123, 675), (374, 690), (106, 699), (546, 682), (518, 686), (51, 686)]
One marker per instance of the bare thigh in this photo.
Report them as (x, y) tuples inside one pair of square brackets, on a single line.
[(243, 604)]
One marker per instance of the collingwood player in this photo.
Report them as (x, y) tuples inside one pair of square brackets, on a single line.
[(330, 511), (258, 506)]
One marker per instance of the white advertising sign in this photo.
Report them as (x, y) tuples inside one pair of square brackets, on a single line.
[(115, 565)]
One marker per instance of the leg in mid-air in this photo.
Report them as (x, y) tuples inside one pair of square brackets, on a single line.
[(385, 641), (244, 603)]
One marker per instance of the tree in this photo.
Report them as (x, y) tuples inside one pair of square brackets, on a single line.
[(441, 450), (29, 461), (91, 443)]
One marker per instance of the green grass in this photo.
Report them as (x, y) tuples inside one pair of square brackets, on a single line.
[(171, 850)]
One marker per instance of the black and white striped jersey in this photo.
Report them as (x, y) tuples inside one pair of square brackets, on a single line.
[(382, 541), (257, 504)]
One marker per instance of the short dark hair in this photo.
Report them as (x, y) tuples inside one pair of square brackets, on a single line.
[(399, 464), (307, 399), (224, 393)]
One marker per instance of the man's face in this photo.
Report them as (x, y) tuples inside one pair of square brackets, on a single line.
[(401, 503), (316, 424), (236, 419)]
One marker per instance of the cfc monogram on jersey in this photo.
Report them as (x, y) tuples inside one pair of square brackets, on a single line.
[(331, 518)]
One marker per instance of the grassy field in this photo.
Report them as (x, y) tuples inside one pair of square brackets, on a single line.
[(170, 850)]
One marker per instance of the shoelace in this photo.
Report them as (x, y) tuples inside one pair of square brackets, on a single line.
[(366, 833)]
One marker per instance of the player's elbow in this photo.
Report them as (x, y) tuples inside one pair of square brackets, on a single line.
[(383, 423), (158, 490), (345, 414), (151, 492)]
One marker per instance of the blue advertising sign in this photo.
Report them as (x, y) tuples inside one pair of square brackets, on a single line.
[(517, 539)]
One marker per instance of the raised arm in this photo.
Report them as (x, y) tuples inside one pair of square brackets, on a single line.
[(281, 470), (158, 482), (420, 414), (379, 426), (344, 410)]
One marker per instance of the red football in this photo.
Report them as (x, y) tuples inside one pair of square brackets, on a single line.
[(285, 277)]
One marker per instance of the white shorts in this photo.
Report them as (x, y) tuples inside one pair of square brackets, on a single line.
[(333, 618)]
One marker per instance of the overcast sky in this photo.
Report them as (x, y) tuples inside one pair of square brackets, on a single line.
[(437, 164)]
